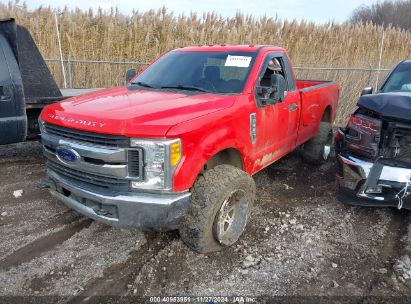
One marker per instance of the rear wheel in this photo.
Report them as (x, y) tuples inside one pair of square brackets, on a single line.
[(318, 149), (219, 209)]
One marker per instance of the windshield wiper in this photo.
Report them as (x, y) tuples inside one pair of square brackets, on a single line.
[(143, 84), (184, 87)]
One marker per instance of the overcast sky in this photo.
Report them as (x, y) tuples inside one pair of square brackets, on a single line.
[(313, 10)]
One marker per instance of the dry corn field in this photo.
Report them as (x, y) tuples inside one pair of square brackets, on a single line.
[(142, 36)]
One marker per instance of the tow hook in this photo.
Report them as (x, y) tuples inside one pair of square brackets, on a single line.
[(102, 212), (45, 183)]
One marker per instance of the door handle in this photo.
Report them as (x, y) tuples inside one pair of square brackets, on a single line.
[(293, 107), (4, 98)]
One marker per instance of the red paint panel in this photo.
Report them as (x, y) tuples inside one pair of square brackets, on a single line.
[(206, 123)]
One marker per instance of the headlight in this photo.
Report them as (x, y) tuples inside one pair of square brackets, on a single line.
[(161, 157)]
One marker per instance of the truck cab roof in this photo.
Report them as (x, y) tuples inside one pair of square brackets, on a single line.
[(252, 48)]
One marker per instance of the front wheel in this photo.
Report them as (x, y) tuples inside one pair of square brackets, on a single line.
[(318, 149), (220, 205)]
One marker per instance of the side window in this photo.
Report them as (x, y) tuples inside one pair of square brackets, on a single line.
[(274, 66), (4, 71), (288, 74), (272, 81)]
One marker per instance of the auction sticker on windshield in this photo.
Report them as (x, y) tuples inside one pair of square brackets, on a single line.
[(238, 61)]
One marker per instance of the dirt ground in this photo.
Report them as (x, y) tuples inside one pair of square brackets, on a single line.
[(300, 241)]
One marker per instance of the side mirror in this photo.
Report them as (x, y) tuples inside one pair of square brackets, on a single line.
[(130, 74), (269, 95), (278, 84), (367, 91)]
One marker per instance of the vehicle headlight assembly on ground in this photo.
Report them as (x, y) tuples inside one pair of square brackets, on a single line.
[(161, 157)]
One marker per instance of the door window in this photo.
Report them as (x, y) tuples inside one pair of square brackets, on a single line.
[(4, 71), (273, 65)]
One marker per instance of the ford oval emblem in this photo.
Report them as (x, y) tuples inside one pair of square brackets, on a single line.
[(67, 155)]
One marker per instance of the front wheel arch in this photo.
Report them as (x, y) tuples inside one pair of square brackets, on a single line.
[(229, 156)]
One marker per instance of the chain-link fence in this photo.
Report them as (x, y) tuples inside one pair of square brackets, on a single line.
[(352, 81), (102, 74), (73, 73)]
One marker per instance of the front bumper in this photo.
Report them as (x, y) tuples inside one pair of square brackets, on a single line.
[(158, 212), (359, 176)]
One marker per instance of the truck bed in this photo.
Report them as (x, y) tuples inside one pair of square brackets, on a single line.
[(315, 95), (303, 84)]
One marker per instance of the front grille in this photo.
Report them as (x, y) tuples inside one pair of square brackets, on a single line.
[(405, 154), (88, 180), (88, 137), (397, 145), (404, 141), (135, 163)]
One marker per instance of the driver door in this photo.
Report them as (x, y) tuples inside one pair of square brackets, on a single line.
[(279, 121)]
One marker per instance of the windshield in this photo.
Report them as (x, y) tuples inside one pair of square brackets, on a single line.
[(211, 72), (399, 80)]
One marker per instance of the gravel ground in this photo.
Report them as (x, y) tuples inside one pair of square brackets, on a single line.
[(300, 241)]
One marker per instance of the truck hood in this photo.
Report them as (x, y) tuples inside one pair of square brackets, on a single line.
[(395, 105), (133, 113)]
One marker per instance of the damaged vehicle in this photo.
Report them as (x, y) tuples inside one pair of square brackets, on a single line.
[(177, 146), (374, 150)]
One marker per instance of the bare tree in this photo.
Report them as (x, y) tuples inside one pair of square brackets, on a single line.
[(388, 12)]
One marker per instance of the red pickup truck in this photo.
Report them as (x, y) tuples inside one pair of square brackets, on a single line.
[(176, 147)]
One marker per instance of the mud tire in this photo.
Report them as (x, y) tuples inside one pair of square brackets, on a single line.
[(208, 194), (313, 150)]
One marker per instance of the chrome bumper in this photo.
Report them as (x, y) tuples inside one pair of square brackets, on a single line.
[(356, 175), (158, 212), (97, 184)]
